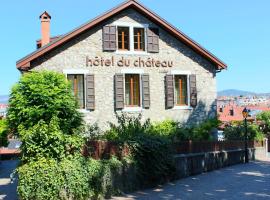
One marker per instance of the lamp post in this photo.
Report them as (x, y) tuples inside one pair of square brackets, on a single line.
[(245, 115)]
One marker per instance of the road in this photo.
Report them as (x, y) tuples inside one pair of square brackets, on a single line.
[(244, 181)]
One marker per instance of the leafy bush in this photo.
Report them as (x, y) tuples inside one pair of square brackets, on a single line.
[(42, 96), (3, 133), (71, 178), (40, 180), (264, 117), (127, 128), (150, 150), (48, 141), (203, 130), (238, 132), (153, 158)]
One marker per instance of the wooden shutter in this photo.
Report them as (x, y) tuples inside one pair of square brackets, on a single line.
[(153, 40), (169, 86), (119, 91), (145, 91), (109, 38), (90, 91), (193, 90)]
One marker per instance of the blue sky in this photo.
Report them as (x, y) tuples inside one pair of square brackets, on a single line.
[(238, 32)]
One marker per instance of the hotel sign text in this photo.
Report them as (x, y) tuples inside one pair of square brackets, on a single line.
[(124, 62)]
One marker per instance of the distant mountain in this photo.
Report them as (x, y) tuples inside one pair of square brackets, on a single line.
[(4, 99), (234, 92)]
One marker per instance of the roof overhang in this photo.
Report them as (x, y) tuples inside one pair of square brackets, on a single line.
[(24, 63)]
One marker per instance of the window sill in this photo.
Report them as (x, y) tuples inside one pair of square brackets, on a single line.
[(83, 111), (132, 52), (132, 109), (182, 108)]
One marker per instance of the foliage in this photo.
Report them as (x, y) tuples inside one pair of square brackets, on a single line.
[(127, 128), (264, 117), (92, 132), (153, 158), (150, 151), (235, 132), (203, 130), (42, 96), (40, 180), (71, 178), (48, 141), (3, 133)]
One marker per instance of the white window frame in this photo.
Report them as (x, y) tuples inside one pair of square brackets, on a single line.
[(138, 72), (185, 73), (79, 72), (131, 27)]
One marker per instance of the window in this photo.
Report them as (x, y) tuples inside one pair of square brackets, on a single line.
[(132, 90), (139, 39), (181, 91), (77, 85), (123, 38)]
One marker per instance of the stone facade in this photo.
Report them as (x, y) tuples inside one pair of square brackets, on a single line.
[(72, 55)]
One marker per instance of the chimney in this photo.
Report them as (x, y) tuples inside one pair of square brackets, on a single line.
[(45, 19)]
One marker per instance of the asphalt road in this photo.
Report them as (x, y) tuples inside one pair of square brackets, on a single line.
[(244, 181)]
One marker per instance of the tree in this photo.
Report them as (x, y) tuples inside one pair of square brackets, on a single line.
[(42, 96)]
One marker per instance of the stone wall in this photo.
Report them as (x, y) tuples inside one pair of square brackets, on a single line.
[(197, 163), (72, 55)]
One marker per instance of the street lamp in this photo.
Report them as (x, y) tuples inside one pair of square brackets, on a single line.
[(245, 115)]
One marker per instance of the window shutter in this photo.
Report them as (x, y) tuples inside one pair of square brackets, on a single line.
[(119, 91), (90, 92), (169, 86), (145, 91), (193, 90), (109, 38), (153, 40)]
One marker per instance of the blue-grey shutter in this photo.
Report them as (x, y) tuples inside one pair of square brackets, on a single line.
[(90, 91), (153, 40), (193, 90), (169, 87), (145, 91), (119, 91), (109, 38)]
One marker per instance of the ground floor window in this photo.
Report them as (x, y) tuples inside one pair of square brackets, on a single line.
[(181, 90), (132, 90), (77, 85)]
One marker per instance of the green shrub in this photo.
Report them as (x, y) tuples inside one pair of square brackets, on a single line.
[(203, 130), (264, 117), (238, 132), (71, 178), (153, 159), (40, 180), (127, 128), (3, 133), (150, 149), (48, 141), (42, 96)]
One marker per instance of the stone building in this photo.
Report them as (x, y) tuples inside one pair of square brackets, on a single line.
[(131, 60)]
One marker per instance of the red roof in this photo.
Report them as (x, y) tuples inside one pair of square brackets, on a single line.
[(25, 63)]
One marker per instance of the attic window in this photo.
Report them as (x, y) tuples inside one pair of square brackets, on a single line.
[(45, 17)]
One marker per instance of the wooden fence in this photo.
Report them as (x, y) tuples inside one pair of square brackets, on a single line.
[(104, 149)]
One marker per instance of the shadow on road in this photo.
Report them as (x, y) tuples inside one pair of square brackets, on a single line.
[(244, 181), (8, 189)]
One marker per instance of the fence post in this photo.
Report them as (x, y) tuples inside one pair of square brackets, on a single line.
[(190, 146), (266, 146)]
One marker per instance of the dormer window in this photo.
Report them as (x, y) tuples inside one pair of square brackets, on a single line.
[(123, 38)]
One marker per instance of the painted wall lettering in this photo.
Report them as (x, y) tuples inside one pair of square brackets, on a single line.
[(124, 62)]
